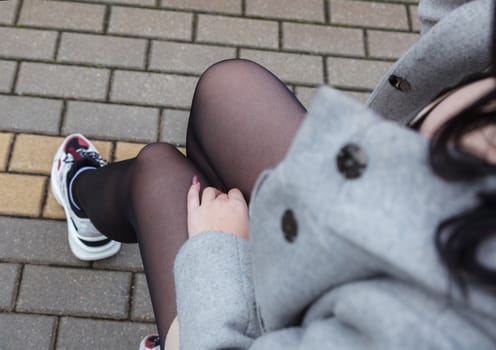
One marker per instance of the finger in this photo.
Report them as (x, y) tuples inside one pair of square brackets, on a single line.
[(209, 194), (235, 193), (222, 196), (193, 198)]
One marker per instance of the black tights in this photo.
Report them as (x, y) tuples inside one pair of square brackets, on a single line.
[(242, 121)]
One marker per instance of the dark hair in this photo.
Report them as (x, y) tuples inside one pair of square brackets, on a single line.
[(458, 238)]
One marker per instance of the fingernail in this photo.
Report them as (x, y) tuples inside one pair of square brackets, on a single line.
[(195, 180)]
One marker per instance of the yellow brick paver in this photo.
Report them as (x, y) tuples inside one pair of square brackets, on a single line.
[(127, 150), (104, 147), (21, 194), (52, 209), (34, 153), (5, 141)]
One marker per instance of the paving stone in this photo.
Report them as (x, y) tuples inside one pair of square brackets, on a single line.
[(9, 274), (127, 150), (84, 334), (76, 292), (30, 332), (128, 2), (7, 11), (295, 68), (361, 97), (21, 194), (34, 153), (35, 241), (104, 148), (368, 14), (310, 10), (242, 31), (52, 209), (390, 44), (153, 89), (182, 150), (7, 72), (355, 73), (62, 15), (62, 81), (141, 309), (415, 18), (305, 95), (30, 114), (5, 142), (102, 50), (174, 126), (27, 43), (128, 258), (325, 39), (111, 121), (226, 6), (189, 58), (151, 23)]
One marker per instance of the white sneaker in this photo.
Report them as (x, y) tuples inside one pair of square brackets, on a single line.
[(150, 342), (85, 241)]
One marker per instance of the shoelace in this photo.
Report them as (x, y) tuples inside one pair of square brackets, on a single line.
[(86, 154), (92, 155)]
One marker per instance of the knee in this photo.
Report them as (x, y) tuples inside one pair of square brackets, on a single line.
[(156, 152), (232, 65), (227, 75)]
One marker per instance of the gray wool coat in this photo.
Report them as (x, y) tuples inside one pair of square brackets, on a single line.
[(341, 252)]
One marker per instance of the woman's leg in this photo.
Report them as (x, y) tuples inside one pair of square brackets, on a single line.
[(144, 200), (242, 121)]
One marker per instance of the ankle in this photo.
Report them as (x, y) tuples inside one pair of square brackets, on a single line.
[(74, 186)]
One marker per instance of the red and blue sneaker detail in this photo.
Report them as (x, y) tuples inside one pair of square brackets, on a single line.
[(150, 342), (76, 155)]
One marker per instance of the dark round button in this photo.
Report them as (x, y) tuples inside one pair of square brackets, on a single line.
[(289, 226), (351, 161), (399, 83)]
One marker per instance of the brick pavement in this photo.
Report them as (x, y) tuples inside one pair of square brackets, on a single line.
[(123, 73)]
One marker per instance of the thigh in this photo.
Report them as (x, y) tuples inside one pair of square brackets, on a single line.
[(243, 119)]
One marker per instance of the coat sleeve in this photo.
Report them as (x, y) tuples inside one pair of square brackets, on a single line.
[(430, 12), (451, 48), (214, 292), (216, 302)]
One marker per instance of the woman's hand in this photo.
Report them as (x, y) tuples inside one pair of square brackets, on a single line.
[(217, 211)]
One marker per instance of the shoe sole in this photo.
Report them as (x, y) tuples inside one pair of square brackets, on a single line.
[(78, 248)]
